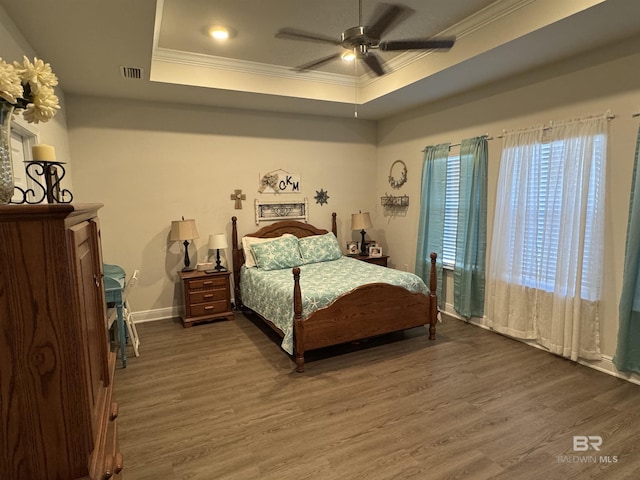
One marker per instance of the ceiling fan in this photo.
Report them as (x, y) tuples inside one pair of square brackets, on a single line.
[(362, 39)]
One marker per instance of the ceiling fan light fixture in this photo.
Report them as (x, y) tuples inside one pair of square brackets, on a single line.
[(348, 56)]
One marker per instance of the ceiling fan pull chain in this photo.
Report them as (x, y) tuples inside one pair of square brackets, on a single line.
[(355, 105)]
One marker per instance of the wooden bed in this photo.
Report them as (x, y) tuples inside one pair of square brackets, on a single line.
[(366, 311)]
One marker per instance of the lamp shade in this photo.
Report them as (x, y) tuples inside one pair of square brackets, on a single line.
[(183, 230), (360, 221), (217, 241)]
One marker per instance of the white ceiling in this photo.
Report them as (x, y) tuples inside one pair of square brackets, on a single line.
[(87, 41)]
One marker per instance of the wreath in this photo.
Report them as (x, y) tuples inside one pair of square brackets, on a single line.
[(403, 175)]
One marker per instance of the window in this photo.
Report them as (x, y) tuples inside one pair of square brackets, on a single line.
[(451, 211), (23, 137), (543, 210)]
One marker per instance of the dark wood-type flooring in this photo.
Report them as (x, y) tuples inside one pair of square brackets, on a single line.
[(221, 401)]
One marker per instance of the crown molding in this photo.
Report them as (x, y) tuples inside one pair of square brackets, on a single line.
[(255, 68)]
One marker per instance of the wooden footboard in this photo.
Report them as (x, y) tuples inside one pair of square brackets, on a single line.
[(366, 311)]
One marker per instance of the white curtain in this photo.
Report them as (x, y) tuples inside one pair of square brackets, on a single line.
[(546, 254)]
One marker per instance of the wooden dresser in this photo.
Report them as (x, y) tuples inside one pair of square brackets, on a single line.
[(58, 412)]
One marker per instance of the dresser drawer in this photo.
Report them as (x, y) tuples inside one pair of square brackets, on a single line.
[(209, 308), (207, 283), (207, 296)]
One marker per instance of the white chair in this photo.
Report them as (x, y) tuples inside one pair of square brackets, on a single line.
[(131, 327)]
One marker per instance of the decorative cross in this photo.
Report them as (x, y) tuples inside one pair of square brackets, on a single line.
[(238, 196)]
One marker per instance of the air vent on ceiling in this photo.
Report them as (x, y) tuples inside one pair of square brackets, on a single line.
[(131, 72)]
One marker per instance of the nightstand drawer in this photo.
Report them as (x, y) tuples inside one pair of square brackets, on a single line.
[(207, 283), (207, 296), (209, 308)]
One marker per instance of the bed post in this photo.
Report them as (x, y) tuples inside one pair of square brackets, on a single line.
[(298, 324), (334, 225), (433, 299), (237, 261)]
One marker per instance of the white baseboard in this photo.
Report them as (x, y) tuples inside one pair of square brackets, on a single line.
[(604, 365), (156, 314)]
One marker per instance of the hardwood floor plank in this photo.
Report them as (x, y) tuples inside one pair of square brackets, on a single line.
[(222, 401)]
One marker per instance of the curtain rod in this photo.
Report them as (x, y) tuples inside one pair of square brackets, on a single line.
[(486, 135), (609, 117)]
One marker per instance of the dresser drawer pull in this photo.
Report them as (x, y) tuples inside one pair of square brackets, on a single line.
[(114, 411), (208, 282), (209, 307), (210, 295)]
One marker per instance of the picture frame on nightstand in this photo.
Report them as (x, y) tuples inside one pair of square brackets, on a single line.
[(375, 251), (353, 247)]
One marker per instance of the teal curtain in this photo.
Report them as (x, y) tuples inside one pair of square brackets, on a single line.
[(431, 226), (627, 357), (471, 235)]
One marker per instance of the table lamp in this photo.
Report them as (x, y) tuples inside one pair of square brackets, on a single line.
[(360, 221), (184, 230), (217, 242)]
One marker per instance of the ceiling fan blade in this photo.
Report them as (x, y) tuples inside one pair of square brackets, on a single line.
[(385, 17), (417, 44), (373, 62), (318, 62), (293, 34)]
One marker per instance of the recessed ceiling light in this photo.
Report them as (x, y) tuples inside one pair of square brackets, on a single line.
[(219, 33)]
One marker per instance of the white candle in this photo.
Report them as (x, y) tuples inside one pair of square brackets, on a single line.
[(44, 153)]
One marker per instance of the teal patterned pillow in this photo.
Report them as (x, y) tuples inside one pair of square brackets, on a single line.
[(281, 253), (319, 248)]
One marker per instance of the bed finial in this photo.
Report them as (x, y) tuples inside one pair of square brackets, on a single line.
[(433, 298)]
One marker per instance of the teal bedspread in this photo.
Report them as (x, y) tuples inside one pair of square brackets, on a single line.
[(270, 293)]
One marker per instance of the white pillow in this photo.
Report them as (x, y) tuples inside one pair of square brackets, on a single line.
[(249, 259)]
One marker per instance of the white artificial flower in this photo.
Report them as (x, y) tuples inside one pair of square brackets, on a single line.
[(38, 74), (10, 86), (44, 106)]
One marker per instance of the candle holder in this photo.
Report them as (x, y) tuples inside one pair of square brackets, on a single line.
[(53, 173)]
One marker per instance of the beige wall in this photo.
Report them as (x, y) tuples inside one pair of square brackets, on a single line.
[(150, 164), (603, 80)]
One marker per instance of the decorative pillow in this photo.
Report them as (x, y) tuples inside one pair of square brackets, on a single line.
[(249, 259), (281, 253), (319, 248)]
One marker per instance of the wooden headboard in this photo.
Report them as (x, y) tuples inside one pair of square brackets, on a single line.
[(299, 229)]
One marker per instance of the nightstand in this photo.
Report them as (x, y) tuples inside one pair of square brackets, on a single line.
[(382, 261), (207, 296)]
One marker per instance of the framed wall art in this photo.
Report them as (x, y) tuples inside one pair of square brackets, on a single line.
[(281, 210)]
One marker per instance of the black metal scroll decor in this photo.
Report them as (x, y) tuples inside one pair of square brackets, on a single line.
[(52, 173)]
